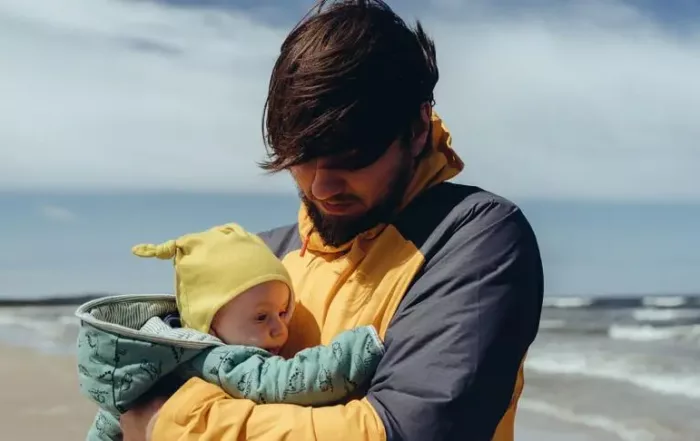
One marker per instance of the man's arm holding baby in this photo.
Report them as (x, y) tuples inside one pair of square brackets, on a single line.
[(316, 376), (453, 353)]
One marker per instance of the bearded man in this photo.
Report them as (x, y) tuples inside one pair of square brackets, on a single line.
[(450, 275)]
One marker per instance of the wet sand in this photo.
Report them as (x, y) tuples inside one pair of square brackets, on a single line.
[(40, 398), (40, 401)]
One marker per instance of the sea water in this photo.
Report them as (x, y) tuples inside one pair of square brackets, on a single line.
[(619, 343)]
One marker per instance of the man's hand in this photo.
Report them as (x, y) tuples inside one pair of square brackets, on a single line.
[(137, 423)]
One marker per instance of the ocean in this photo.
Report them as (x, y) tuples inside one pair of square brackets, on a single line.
[(627, 366), (619, 344)]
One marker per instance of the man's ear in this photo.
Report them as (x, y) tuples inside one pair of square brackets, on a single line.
[(421, 130)]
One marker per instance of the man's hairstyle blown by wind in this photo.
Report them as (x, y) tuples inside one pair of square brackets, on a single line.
[(350, 78)]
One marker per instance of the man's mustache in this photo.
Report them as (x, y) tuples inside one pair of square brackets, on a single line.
[(341, 199), (337, 199)]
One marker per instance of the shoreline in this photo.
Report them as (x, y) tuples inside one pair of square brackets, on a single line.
[(551, 300), (534, 426), (42, 401)]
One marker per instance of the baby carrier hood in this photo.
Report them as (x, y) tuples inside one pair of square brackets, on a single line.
[(124, 348), (140, 317)]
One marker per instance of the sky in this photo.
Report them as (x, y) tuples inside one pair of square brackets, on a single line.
[(545, 99), (123, 121)]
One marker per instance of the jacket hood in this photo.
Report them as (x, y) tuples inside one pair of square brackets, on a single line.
[(439, 165)]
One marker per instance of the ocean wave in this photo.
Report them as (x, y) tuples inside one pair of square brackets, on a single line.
[(567, 302), (621, 302), (553, 324), (45, 328), (638, 324), (622, 431), (648, 333), (618, 368), (667, 301), (52, 329), (666, 315)]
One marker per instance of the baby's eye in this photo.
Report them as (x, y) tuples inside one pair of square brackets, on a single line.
[(261, 317), (283, 314)]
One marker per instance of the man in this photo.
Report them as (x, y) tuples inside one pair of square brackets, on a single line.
[(450, 275)]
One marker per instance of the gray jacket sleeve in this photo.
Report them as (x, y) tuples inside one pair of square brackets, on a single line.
[(457, 341)]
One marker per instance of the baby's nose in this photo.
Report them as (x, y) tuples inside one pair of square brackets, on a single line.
[(279, 330)]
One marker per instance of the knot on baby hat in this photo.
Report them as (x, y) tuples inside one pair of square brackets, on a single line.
[(165, 250)]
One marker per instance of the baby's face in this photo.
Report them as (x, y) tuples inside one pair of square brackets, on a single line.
[(256, 317)]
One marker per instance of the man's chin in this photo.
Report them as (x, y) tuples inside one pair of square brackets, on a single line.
[(339, 219), (336, 230)]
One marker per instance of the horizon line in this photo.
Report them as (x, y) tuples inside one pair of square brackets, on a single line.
[(293, 194)]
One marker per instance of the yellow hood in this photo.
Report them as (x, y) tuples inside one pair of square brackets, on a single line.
[(441, 163)]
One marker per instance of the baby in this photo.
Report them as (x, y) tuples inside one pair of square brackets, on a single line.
[(227, 323)]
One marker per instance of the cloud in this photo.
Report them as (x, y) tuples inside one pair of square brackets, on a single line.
[(57, 213), (594, 101), (130, 95)]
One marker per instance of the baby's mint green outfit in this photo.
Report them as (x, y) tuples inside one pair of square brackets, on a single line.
[(125, 347)]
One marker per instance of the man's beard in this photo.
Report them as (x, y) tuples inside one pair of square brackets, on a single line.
[(337, 230)]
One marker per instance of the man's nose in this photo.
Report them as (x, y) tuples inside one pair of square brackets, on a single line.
[(326, 184)]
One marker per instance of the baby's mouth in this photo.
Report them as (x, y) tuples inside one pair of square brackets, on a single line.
[(274, 351)]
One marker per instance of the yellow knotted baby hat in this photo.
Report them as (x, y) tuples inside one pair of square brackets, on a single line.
[(213, 267)]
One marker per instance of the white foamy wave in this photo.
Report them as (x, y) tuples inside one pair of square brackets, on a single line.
[(625, 433), (599, 365), (665, 315), (653, 333), (664, 301), (46, 328), (552, 324), (568, 302), (68, 320), (40, 329)]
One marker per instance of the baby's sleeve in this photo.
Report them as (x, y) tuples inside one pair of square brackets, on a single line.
[(317, 376), (105, 427)]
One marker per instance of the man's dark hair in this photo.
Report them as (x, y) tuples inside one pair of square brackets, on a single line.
[(350, 78)]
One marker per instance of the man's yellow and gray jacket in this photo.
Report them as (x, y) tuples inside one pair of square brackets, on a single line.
[(454, 287)]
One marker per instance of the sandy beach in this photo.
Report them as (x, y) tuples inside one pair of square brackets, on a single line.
[(40, 401), (40, 397)]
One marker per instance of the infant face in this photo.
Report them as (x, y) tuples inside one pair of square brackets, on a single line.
[(256, 317)]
